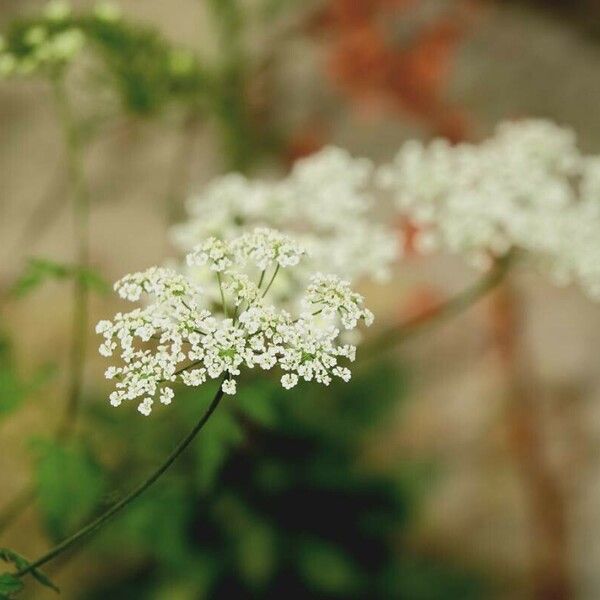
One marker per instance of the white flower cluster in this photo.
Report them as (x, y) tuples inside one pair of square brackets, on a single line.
[(263, 247), (325, 204), (527, 188), (175, 338), (331, 296)]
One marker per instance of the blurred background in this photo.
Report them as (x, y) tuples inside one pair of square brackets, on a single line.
[(461, 465)]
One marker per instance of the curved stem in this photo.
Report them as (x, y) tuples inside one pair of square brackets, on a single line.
[(138, 491), (271, 281), (443, 312), (81, 233), (262, 278)]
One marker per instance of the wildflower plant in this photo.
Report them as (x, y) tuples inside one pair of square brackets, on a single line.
[(194, 338), (267, 279)]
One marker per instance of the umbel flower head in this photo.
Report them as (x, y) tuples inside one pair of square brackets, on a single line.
[(527, 188), (175, 337), (325, 203)]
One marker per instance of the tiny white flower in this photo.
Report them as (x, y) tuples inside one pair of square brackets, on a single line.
[(145, 407), (331, 295), (166, 395), (229, 387), (289, 380)]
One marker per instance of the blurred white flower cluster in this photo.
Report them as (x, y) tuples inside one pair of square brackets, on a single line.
[(49, 42), (526, 188), (174, 337), (325, 204)]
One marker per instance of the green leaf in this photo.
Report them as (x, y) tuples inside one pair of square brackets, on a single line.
[(9, 585), (70, 485), (94, 281), (40, 270), (43, 579), (10, 556), (20, 562)]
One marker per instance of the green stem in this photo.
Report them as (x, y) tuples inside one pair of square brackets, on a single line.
[(179, 174), (222, 294), (262, 278), (230, 105), (271, 281), (442, 313), (138, 491), (81, 209)]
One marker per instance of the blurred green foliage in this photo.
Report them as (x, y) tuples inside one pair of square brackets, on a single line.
[(275, 500), (146, 70), (69, 485), (39, 270), (9, 585)]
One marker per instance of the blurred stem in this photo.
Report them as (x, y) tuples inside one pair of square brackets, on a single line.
[(541, 485), (179, 175), (445, 311), (77, 351), (230, 95), (81, 225), (135, 493)]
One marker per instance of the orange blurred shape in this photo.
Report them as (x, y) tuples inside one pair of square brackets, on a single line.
[(345, 14), (360, 60), (378, 72), (421, 303), (408, 231), (305, 142)]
